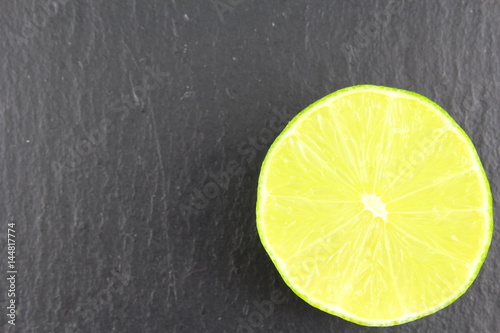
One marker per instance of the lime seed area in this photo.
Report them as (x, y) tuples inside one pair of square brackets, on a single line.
[(374, 204)]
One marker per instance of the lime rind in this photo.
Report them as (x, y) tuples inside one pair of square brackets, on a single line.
[(337, 311)]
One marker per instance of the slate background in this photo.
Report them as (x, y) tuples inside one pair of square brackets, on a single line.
[(113, 233)]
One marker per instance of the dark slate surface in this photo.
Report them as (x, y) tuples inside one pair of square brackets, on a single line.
[(116, 117)]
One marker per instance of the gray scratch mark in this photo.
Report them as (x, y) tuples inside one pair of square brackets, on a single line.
[(136, 99), (165, 207), (174, 29)]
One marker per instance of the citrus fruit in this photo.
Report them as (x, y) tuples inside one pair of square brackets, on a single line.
[(374, 206)]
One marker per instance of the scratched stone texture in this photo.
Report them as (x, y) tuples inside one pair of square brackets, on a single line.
[(132, 133)]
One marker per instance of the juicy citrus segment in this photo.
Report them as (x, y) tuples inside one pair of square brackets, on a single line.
[(374, 206)]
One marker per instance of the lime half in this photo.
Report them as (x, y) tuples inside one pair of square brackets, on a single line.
[(374, 206)]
